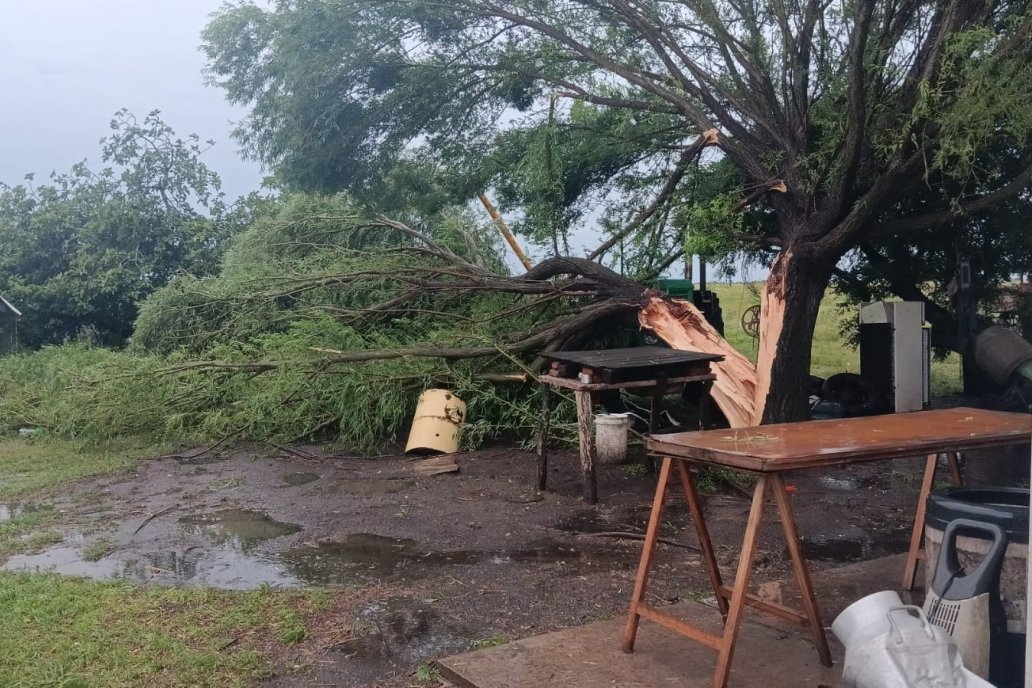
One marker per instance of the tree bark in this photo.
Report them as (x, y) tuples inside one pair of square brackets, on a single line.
[(790, 302)]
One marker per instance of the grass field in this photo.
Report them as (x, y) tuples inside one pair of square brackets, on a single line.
[(831, 352), (57, 631)]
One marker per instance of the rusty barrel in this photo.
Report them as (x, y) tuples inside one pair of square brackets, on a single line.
[(438, 420)]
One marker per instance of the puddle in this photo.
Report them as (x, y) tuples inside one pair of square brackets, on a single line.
[(363, 557), (241, 527), (299, 479), (398, 633), (12, 511), (856, 545), (234, 557), (357, 557), (67, 560), (372, 487), (220, 567), (841, 484)]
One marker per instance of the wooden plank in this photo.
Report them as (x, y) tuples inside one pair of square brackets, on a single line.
[(438, 465), (631, 357), (772, 608), (698, 635), (589, 656), (812, 444), (709, 557), (577, 385)]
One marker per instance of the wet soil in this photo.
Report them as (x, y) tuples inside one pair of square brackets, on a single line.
[(425, 566)]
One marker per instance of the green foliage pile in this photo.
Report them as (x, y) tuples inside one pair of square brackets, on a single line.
[(243, 355)]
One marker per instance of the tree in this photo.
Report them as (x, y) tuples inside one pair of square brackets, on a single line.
[(81, 251), (835, 114)]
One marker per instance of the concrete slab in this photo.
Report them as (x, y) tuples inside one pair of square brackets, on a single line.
[(769, 653), (590, 657)]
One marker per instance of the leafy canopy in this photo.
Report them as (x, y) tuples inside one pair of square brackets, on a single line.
[(83, 249), (583, 108)]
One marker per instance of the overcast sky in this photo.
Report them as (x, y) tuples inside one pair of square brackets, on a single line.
[(66, 66)]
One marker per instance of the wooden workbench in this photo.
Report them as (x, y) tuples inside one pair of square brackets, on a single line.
[(770, 451), (650, 370)]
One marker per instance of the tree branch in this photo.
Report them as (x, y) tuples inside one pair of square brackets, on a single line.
[(960, 210)]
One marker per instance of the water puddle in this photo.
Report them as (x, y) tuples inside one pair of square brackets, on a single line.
[(67, 560), (362, 557), (299, 479), (847, 484), (372, 487), (10, 512), (229, 549), (856, 544), (240, 527)]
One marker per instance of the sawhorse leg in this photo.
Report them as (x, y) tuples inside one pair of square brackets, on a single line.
[(731, 601), (916, 552)]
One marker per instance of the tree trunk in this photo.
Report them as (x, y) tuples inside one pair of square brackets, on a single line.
[(789, 306)]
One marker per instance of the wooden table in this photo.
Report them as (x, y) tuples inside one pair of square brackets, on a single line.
[(769, 451), (651, 370)]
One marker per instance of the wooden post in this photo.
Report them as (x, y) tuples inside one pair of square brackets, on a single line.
[(709, 557), (586, 433), (542, 447)]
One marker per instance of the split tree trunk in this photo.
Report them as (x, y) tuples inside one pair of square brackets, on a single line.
[(776, 389), (683, 326)]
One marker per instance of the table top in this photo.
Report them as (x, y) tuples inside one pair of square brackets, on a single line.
[(812, 444), (668, 384), (634, 357)]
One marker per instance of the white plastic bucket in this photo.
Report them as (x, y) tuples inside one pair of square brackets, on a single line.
[(611, 437), (865, 619)]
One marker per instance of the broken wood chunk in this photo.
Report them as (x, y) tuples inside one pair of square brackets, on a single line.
[(683, 326), (437, 465)]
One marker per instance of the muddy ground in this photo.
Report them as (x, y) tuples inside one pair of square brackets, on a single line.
[(423, 567)]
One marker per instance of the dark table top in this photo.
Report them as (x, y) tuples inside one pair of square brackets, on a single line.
[(634, 357), (812, 444)]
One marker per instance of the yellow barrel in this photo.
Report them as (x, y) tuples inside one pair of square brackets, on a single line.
[(435, 429)]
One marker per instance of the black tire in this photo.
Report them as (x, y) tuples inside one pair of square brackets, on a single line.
[(857, 395)]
